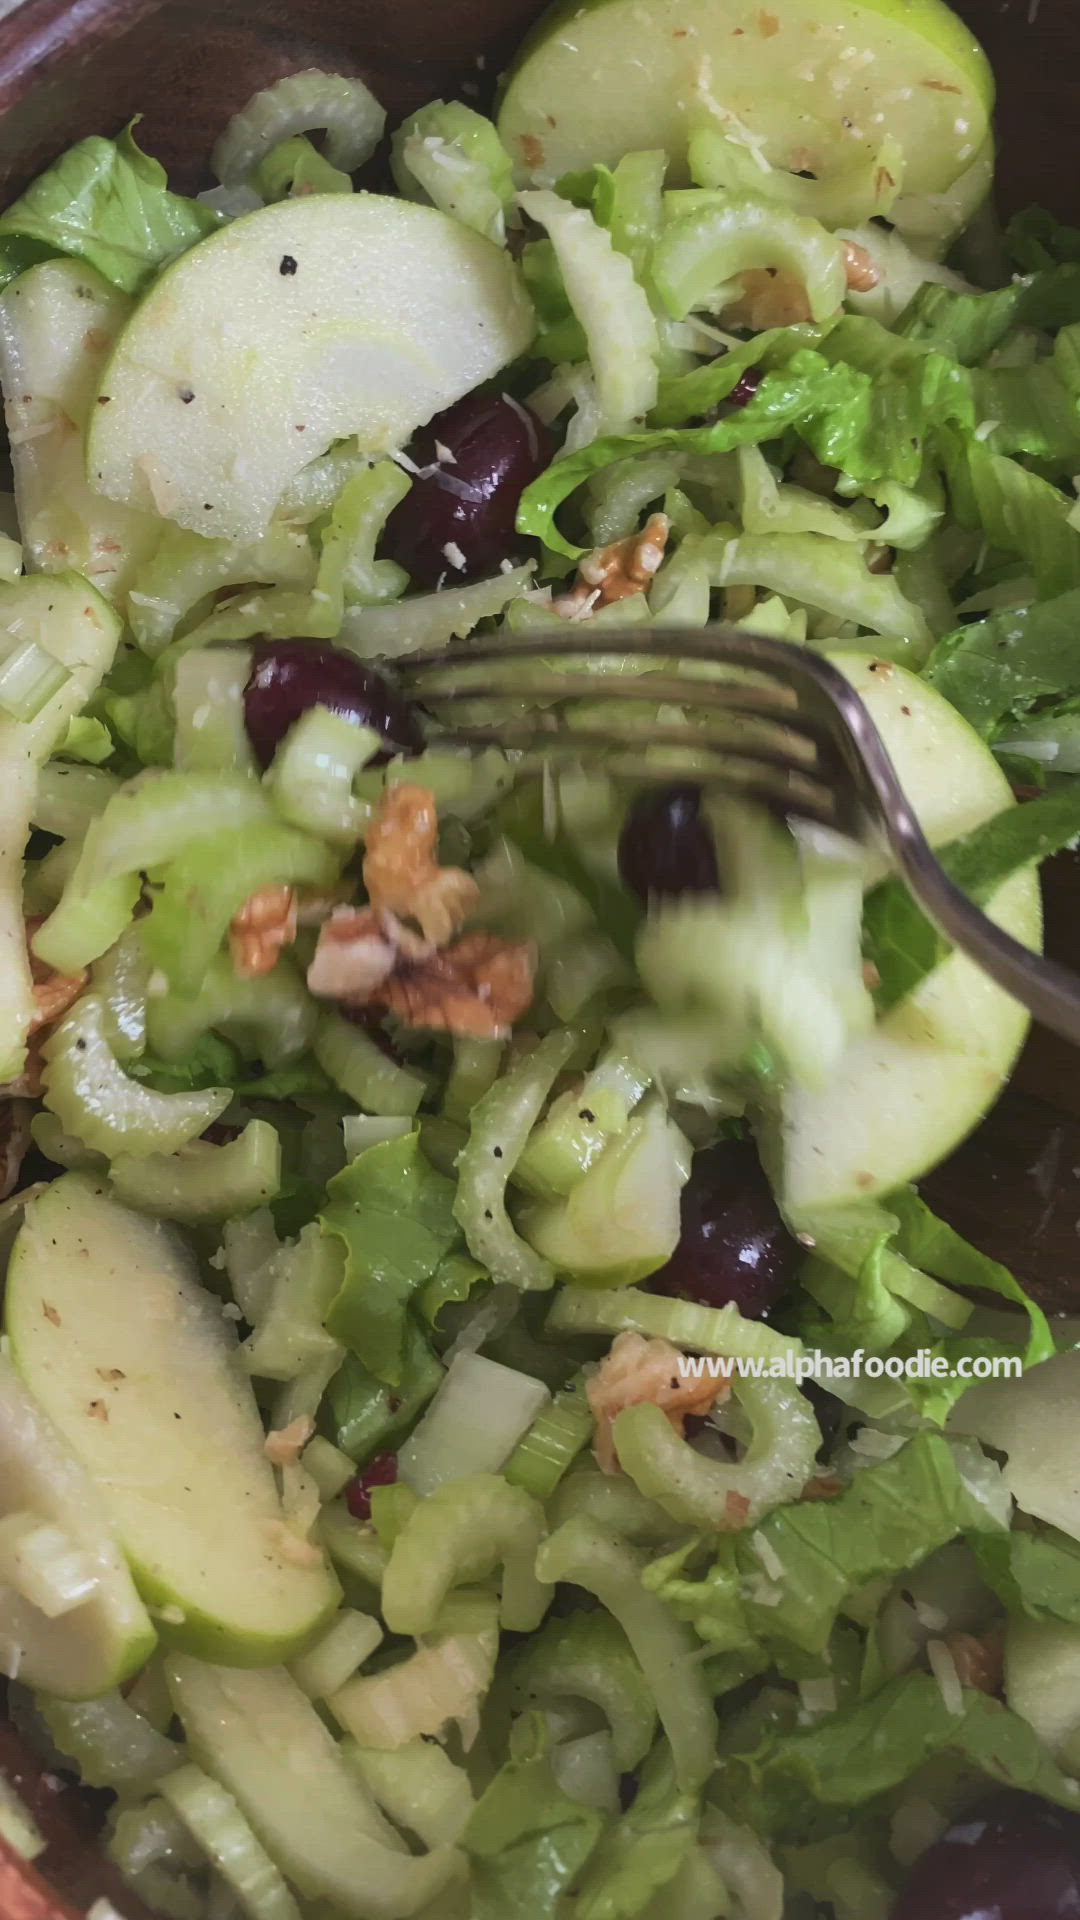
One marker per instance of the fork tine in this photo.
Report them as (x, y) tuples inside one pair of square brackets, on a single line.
[(521, 734), (768, 777), (733, 697)]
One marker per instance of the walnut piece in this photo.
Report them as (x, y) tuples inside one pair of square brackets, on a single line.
[(284, 1445), (637, 1370), (401, 867), (14, 1143), (862, 274), (264, 926), (769, 298), (979, 1660), (479, 987), (357, 951), (53, 992), (616, 572)]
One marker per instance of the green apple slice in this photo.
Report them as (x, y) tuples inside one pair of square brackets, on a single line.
[(103, 1639), (908, 1092), (132, 1360), (57, 324), (304, 323), (808, 85)]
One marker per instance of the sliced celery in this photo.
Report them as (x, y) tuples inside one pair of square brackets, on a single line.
[(363, 1130), (613, 1502), (85, 923), (418, 1787), (349, 1640), (294, 167), (500, 1126), (473, 1424), (459, 1535), (303, 1280), (429, 619), (311, 779), (203, 1182), (70, 797), (18, 1828), (443, 1681), (250, 1246), (30, 676), (475, 1069), (552, 1444), (270, 1018), (587, 1656), (43, 1565), (187, 567), (728, 235), (361, 1069), (720, 1495), (62, 1147), (211, 879), (110, 1743), (212, 1816), (330, 1469), (668, 1653), (720, 1330), (581, 970), (208, 701), (93, 1098), (157, 815), (354, 1548), (120, 979), (44, 880), (578, 1126)]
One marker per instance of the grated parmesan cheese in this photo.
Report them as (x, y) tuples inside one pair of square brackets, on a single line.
[(769, 1557), (452, 552)]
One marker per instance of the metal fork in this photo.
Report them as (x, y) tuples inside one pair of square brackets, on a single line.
[(772, 721)]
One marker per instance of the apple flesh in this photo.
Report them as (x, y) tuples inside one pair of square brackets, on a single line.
[(133, 1362), (906, 1093), (302, 324), (812, 85)]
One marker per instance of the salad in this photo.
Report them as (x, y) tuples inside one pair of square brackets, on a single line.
[(489, 1429)]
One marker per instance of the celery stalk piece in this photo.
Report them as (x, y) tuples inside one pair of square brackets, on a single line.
[(667, 1652), (459, 1535), (349, 1640), (476, 1419), (311, 778), (201, 1182), (212, 1816), (720, 1495), (360, 1068), (500, 1127), (92, 1096)]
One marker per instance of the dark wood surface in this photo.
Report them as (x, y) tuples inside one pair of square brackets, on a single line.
[(72, 67)]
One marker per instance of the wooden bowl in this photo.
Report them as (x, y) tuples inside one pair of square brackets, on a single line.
[(73, 67)]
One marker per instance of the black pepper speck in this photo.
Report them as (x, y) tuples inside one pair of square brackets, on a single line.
[(288, 265)]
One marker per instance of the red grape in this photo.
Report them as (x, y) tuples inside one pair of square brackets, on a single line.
[(458, 517), (666, 847), (379, 1472), (289, 676), (742, 394), (733, 1246), (1012, 1858)]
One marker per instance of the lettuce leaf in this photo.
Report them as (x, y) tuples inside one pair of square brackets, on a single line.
[(1037, 1574), (1036, 240), (873, 427), (368, 1416), (968, 326), (1001, 666), (105, 202), (799, 1783), (892, 1516), (1017, 510), (526, 1839), (641, 1853), (395, 1215), (900, 942)]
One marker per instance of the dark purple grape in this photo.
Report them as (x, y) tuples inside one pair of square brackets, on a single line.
[(733, 1246), (289, 676), (464, 509), (665, 847), (1012, 1858), (742, 394), (379, 1472)]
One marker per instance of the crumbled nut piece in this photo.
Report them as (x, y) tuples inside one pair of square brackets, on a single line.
[(53, 992), (284, 1445), (356, 953), (979, 1659), (617, 572), (822, 1486), (98, 1410), (401, 868), (479, 987), (637, 1370), (14, 1143), (29, 1084), (314, 906), (264, 926), (290, 1546), (862, 275), (736, 1510)]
